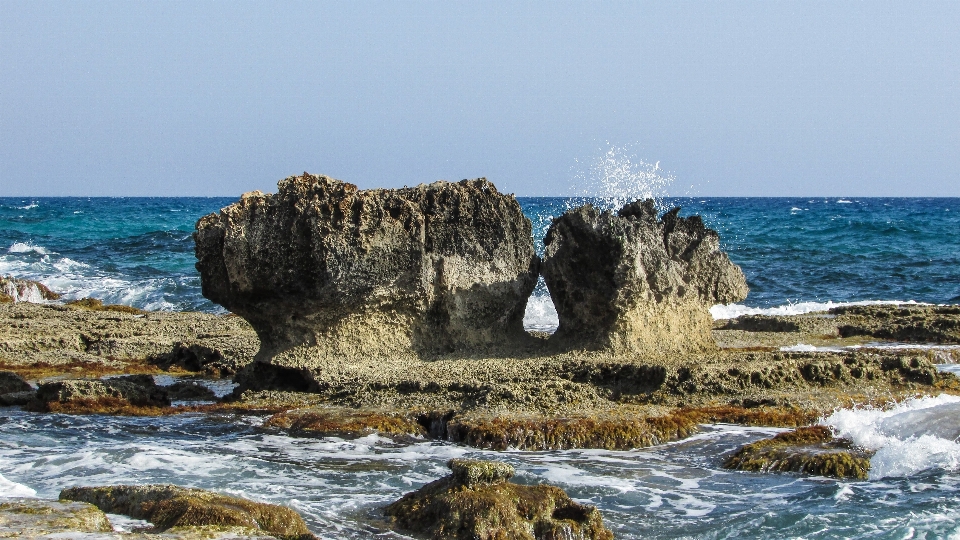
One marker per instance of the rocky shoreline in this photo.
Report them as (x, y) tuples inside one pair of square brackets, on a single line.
[(399, 312)]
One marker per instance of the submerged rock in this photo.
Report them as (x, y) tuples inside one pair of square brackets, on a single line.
[(631, 281), (24, 290), (189, 391), (811, 450), (477, 501), (343, 273), (173, 507)]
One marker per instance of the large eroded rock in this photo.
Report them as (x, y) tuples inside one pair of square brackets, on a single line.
[(341, 273), (632, 282)]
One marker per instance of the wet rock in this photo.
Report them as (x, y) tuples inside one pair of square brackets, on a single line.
[(327, 421), (35, 518), (924, 324), (18, 398), (344, 273), (11, 382), (205, 358), (24, 290), (189, 391), (763, 323), (94, 304), (172, 507), (810, 450), (82, 395), (477, 501), (632, 282)]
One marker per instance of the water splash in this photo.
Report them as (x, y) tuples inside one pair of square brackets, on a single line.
[(617, 177)]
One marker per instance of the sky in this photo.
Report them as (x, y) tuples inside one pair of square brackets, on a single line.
[(214, 98)]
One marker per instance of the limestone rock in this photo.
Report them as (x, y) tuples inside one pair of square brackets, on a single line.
[(630, 281), (173, 507), (189, 391), (137, 390), (476, 501), (34, 518), (925, 324), (344, 273)]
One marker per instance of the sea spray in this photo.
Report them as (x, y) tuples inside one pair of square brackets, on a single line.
[(917, 434), (617, 177)]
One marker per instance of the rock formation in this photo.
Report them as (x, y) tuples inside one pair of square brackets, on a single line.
[(476, 501), (173, 507), (631, 282), (85, 395), (340, 273), (811, 450)]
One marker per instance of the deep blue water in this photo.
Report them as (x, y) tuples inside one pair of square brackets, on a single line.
[(139, 251)]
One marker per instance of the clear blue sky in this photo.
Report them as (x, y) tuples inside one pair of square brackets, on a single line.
[(734, 98)]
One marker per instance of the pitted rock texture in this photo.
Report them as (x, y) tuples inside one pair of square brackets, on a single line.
[(343, 273), (173, 507), (630, 281), (476, 501)]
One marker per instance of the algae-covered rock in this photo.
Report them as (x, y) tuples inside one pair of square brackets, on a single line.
[(172, 507), (477, 502), (83, 395), (94, 304), (811, 450), (24, 290), (630, 281), (344, 273), (189, 391), (34, 518)]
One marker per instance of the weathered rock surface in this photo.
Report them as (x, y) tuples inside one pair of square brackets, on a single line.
[(34, 518), (137, 390), (24, 290), (632, 282), (40, 340), (924, 324), (476, 501), (810, 450), (342, 273), (170, 507)]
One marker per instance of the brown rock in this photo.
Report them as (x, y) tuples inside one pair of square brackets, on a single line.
[(810, 450), (339, 273), (632, 282), (477, 502), (167, 506)]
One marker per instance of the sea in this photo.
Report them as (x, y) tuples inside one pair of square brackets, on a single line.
[(799, 255)]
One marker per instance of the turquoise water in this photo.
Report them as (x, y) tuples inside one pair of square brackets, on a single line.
[(139, 251)]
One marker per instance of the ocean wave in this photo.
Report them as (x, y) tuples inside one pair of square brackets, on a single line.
[(28, 207), (14, 489), (732, 311), (25, 247), (915, 435)]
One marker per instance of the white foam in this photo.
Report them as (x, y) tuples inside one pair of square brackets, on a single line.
[(913, 436), (26, 247), (803, 347), (844, 201), (13, 489), (24, 293), (732, 311), (541, 315), (29, 206), (617, 177)]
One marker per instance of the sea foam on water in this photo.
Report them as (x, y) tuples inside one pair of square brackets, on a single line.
[(915, 435)]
